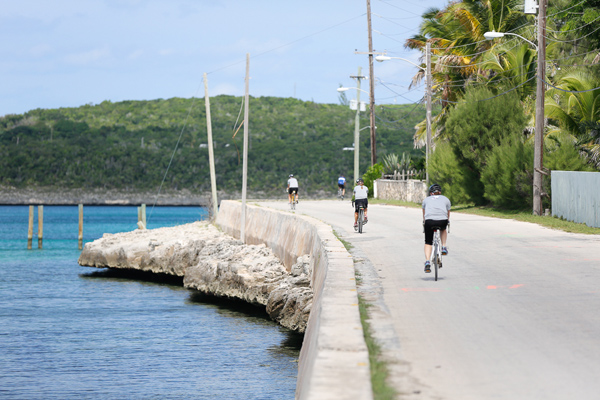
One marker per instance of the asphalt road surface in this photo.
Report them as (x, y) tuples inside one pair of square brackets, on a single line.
[(515, 313)]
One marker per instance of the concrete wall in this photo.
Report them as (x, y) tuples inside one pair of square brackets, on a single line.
[(334, 362), (406, 190), (576, 196)]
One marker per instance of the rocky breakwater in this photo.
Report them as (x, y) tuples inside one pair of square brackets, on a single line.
[(214, 263)]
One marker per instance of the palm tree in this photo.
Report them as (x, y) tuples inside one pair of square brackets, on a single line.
[(574, 103), (458, 44)]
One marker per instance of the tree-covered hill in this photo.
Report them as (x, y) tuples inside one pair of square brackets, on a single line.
[(130, 144)]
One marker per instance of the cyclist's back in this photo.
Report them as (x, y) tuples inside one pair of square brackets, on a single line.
[(436, 214)]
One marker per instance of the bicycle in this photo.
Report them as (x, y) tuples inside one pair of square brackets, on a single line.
[(294, 201), (436, 255), (361, 217)]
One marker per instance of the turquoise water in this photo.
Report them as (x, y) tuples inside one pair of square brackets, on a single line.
[(72, 332)]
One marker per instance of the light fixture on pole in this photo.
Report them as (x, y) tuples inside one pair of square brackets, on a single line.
[(356, 123), (538, 146), (427, 70)]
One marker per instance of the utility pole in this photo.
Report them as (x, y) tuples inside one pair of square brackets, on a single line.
[(371, 87), (357, 125), (211, 154), (245, 152), (428, 105), (538, 150)]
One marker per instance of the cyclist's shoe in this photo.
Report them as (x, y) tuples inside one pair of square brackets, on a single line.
[(356, 226), (427, 267), (444, 251)]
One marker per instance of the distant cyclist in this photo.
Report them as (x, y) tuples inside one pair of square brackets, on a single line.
[(436, 212), (360, 196), (292, 186), (342, 185)]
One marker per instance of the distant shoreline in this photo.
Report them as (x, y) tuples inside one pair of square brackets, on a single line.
[(104, 197), (10, 196)]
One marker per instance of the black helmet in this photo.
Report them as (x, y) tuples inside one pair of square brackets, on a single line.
[(359, 180), (435, 188)]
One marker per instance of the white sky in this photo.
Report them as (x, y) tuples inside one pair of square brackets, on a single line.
[(67, 53)]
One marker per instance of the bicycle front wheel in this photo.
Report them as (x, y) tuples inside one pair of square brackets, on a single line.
[(361, 217)]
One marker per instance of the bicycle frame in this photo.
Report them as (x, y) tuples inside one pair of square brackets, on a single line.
[(436, 251), (293, 203)]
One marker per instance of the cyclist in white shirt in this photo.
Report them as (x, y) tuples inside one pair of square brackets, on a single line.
[(436, 212), (360, 196), (292, 186), (342, 185)]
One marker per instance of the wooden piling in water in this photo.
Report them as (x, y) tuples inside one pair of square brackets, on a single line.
[(80, 235), (144, 215), (30, 228), (141, 224), (40, 226)]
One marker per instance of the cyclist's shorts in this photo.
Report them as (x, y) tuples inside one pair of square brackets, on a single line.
[(364, 202), (341, 185), (292, 190), (429, 224)]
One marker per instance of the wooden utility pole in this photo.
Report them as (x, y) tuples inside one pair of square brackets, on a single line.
[(538, 150), (211, 155), (428, 106), (357, 126), (245, 152), (371, 87)]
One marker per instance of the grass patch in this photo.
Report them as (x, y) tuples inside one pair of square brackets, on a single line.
[(395, 203), (518, 215), (527, 216), (346, 244), (379, 369)]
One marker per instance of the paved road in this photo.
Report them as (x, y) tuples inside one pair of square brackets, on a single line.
[(514, 315)]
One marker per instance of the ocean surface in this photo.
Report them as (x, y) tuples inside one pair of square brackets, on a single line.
[(73, 332)]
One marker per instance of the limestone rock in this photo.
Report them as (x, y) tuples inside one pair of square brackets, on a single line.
[(214, 263)]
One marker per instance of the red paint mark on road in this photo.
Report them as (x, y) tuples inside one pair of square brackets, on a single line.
[(492, 287), (516, 286)]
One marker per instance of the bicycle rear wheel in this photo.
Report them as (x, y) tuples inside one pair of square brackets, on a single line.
[(361, 217)]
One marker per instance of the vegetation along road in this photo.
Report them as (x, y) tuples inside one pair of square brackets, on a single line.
[(513, 315)]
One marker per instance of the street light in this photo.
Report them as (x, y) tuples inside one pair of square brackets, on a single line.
[(427, 70), (538, 146), (495, 35), (356, 124)]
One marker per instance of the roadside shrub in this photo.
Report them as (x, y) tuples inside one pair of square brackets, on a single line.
[(508, 174), (477, 125), (373, 172), (454, 177)]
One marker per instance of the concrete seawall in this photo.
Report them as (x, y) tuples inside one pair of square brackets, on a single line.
[(334, 362)]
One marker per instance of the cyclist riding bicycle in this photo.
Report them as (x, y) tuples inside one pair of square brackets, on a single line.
[(342, 184), (292, 186), (436, 212), (360, 196)]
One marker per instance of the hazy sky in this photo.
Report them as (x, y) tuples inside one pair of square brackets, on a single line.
[(67, 53)]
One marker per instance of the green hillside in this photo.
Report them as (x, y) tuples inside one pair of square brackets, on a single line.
[(129, 145)]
